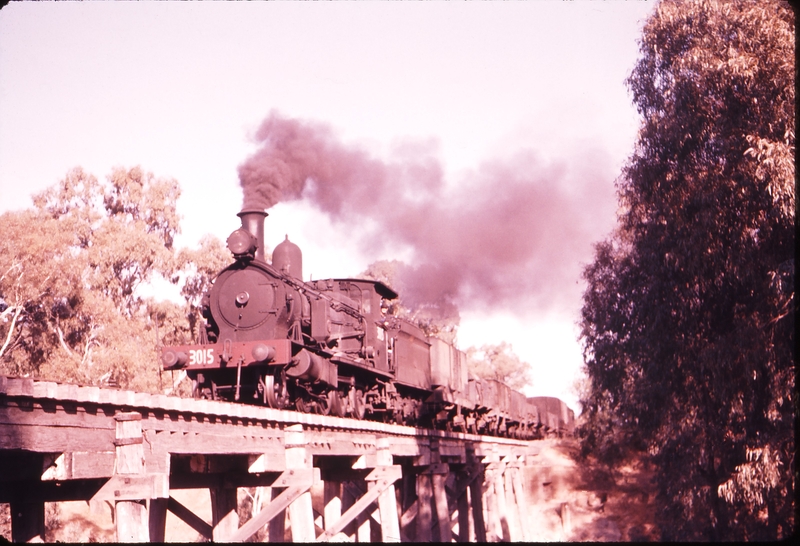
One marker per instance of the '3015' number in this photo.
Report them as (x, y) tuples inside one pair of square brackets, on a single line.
[(201, 356)]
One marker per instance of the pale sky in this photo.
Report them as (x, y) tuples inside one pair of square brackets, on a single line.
[(179, 89)]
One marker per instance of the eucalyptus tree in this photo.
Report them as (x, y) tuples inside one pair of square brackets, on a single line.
[(499, 361), (688, 318), (70, 272)]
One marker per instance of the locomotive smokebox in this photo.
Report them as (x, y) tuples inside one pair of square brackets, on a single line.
[(253, 222)]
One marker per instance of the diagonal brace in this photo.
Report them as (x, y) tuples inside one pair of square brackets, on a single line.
[(190, 518), (384, 477), (278, 504), (298, 480), (472, 472)]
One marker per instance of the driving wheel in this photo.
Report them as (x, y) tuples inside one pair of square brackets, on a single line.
[(275, 393)]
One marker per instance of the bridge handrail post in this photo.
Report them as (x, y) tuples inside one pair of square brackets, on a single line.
[(494, 496), (387, 503), (520, 497), (332, 502), (301, 512), (424, 517), (476, 499), (224, 513), (432, 484), (463, 490), (132, 522), (512, 506)]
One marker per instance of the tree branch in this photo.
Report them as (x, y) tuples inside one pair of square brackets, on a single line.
[(62, 342), (18, 310), (89, 343), (8, 311), (15, 265), (181, 377)]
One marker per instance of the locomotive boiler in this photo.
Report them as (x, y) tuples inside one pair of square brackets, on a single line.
[(332, 347)]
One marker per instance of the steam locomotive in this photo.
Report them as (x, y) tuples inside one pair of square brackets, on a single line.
[(332, 347)]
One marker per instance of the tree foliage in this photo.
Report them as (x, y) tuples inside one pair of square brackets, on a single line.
[(688, 319), (198, 268), (500, 362), (70, 272)]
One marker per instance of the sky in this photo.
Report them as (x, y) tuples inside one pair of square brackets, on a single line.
[(478, 142)]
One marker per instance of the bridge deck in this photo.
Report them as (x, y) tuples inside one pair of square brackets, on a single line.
[(66, 442)]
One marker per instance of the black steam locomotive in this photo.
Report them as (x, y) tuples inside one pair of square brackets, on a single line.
[(331, 347)]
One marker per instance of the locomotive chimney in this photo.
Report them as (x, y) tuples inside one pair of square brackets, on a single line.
[(253, 222)]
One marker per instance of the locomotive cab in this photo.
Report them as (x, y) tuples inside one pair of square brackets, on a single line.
[(350, 322)]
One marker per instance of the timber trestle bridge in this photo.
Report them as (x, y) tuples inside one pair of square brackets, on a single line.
[(337, 479)]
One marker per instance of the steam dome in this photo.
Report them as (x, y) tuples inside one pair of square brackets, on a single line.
[(288, 259)]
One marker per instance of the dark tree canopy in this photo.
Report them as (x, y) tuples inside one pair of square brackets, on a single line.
[(688, 319)]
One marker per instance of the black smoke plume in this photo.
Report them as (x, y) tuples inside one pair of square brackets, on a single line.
[(512, 234)]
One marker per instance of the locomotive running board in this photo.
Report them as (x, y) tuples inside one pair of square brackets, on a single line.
[(361, 365)]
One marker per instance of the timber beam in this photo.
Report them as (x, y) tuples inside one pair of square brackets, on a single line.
[(377, 481)]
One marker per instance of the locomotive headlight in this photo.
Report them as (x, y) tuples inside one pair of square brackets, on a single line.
[(242, 243), (263, 353)]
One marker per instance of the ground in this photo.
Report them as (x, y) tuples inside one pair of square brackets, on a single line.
[(570, 500), (578, 501)]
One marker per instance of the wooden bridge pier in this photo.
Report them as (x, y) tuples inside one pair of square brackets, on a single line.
[(328, 478)]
